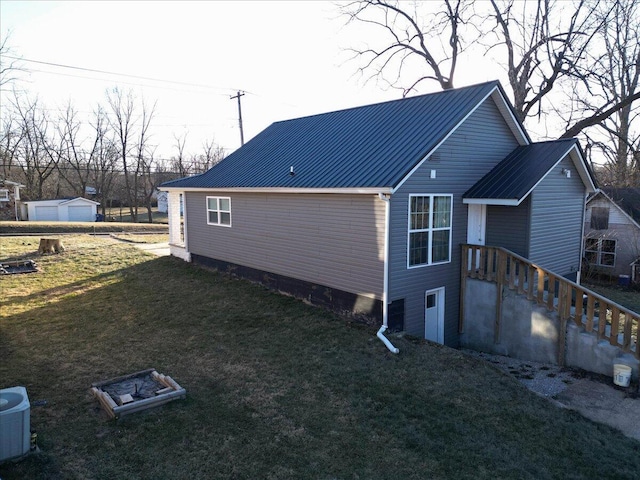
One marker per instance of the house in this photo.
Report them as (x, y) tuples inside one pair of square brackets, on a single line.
[(62, 210), (10, 200), (365, 210), (612, 233)]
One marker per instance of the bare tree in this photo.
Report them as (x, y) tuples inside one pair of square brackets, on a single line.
[(609, 82), (179, 162), (212, 154), (131, 127), (75, 167), (543, 45), (544, 41), (10, 139), (103, 159), (37, 153), (9, 64), (433, 40)]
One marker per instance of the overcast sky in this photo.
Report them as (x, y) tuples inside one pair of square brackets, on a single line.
[(289, 57)]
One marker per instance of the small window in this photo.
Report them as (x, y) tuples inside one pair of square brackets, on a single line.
[(4, 195), (429, 229), (219, 211), (600, 218)]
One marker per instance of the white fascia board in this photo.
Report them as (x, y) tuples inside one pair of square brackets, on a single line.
[(344, 191), (78, 200), (617, 207), (512, 121), (504, 109), (509, 202), (581, 166)]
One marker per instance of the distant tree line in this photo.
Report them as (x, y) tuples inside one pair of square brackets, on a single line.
[(109, 157)]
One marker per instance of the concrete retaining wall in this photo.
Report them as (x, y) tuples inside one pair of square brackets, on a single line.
[(528, 331)]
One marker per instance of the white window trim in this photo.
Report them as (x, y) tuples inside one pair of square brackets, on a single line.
[(4, 195), (218, 224), (430, 230), (599, 252)]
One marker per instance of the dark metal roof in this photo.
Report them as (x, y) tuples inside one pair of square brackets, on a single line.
[(364, 147), (515, 176)]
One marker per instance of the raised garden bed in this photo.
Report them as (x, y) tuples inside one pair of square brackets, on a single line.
[(135, 392)]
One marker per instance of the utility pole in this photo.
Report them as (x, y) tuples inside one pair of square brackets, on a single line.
[(238, 95)]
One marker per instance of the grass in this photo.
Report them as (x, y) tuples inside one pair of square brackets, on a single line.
[(628, 297), (276, 389), (123, 215)]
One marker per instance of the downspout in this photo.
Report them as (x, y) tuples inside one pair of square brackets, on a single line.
[(385, 288)]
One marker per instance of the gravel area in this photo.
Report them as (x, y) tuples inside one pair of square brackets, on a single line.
[(544, 379)]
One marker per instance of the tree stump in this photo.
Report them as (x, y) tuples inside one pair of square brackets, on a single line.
[(50, 245)]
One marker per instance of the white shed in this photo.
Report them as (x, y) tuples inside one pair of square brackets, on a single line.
[(63, 210)]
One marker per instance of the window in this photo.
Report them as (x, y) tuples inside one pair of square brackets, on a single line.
[(600, 218), (4, 195), (600, 251), (429, 229), (219, 211)]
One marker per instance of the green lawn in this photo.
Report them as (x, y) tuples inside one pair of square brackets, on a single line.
[(628, 297), (276, 389)]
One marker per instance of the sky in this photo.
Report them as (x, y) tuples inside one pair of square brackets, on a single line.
[(289, 58)]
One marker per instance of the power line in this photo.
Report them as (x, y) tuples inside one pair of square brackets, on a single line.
[(106, 72)]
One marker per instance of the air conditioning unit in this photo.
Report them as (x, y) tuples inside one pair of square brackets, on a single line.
[(15, 423)]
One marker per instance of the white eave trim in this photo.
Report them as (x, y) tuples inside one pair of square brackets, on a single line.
[(357, 191), (510, 202)]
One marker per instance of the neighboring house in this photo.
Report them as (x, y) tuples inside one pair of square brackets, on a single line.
[(10, 200), (62, 210), (364, 210), (612, 232), (163, 202)]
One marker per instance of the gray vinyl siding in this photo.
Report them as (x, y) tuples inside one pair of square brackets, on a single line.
[(332, 240), (557, 210), (508, 227), (469, 153)]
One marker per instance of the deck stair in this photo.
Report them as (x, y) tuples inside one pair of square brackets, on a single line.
[(578, 308)]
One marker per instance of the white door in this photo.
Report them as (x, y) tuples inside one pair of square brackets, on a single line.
[(46, 214), (476, 224), (434, 315), (81, 213), (476, 229)]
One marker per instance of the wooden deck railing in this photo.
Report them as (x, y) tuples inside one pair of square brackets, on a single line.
[(595, 313)]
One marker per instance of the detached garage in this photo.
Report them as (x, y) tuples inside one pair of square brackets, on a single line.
[(64, 210)]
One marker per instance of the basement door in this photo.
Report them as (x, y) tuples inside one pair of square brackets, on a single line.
[(434, 315)]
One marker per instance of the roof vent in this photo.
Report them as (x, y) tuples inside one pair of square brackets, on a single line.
[(291, 172)]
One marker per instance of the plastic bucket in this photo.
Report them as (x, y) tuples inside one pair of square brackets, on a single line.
[(621, 375)]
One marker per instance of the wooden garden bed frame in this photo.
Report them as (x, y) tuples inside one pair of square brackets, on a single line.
[(169, 391)]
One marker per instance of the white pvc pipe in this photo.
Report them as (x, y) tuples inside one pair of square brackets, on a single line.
[(385, 288), (385, 340)]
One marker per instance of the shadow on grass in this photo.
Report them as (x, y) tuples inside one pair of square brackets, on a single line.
[(275, 389)]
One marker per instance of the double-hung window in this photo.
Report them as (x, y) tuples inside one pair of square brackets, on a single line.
[(600, 251), (219, 211), (429, 230)]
